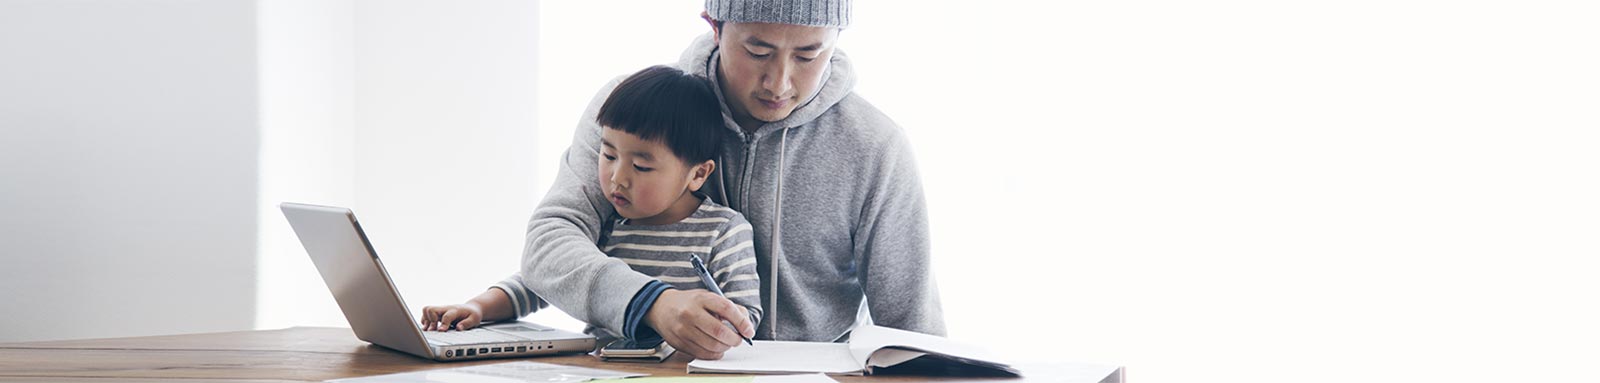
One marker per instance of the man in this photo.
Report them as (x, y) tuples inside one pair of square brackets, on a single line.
[(827, 181)]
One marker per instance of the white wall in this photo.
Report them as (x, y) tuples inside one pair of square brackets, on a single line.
[(1256, 191), (307, 76), (446, 106), (127, 167), (585, 44), (419, 115)]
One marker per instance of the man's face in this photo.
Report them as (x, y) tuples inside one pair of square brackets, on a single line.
[(769, 69)]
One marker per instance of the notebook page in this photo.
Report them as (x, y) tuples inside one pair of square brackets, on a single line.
[(783, 357), (867, 339)]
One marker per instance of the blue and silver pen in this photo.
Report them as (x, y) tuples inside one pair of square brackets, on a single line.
[(705, 278)]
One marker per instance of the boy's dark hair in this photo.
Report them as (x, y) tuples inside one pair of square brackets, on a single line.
[(670, 106)]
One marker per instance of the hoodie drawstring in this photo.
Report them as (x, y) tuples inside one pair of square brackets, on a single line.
[(777, 236), (722, 175)]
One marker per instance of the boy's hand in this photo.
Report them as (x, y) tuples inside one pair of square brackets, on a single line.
[(444, 318), (691, 321)]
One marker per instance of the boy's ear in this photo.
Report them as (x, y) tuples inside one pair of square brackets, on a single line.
[(700, 173)]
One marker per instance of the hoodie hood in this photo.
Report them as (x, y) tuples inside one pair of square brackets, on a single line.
[(838, 81)]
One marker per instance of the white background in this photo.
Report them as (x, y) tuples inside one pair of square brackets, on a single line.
[(1213, 191), (418, 115)]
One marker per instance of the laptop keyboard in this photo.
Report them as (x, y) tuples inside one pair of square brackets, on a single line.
[(473, 336)]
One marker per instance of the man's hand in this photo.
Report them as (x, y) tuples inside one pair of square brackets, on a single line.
[(443, 318), (691, 321)]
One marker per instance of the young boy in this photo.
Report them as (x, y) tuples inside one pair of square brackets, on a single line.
[(662, 127)]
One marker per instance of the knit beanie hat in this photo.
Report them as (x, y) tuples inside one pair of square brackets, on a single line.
[(817, 13)]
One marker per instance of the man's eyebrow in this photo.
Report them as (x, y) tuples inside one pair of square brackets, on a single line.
[(752, 40), (607, 143)]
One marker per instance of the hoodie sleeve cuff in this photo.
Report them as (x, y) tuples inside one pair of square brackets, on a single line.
[(633, 326)]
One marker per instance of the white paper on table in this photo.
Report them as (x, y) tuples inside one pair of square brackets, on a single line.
[(514, 372), (802, 378)]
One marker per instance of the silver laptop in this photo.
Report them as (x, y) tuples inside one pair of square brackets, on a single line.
[(351, 268)]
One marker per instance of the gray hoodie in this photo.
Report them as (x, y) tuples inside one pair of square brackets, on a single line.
[(831, 191)]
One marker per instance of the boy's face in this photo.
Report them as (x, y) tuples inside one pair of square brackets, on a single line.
[(767, 70), (644, 179)]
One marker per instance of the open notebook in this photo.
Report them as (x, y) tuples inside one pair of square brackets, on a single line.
[(870, 347)]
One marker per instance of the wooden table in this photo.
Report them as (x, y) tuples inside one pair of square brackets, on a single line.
[(314, 354)]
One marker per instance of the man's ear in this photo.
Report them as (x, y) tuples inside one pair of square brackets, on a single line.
[(716, 27), (700, 173)]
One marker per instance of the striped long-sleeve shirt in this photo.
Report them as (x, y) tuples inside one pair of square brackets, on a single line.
[(719, 235)]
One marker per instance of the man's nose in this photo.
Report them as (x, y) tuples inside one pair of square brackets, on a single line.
[(776, 79)]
